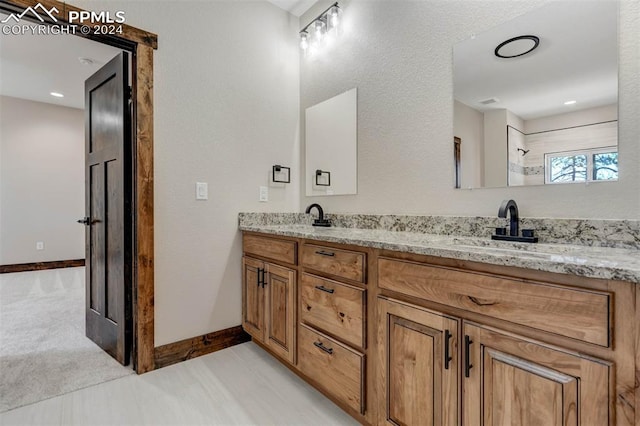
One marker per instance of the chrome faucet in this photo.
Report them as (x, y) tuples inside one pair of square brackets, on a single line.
[(514, 220), (320, 221)]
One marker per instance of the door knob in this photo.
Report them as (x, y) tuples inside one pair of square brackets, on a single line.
[(87, 221)]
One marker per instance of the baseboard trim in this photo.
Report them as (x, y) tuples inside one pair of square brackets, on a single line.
[(194, 347), (40, 266)]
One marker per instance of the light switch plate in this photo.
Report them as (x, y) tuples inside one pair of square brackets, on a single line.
[(202, 191), (40, 245), (264, 194)]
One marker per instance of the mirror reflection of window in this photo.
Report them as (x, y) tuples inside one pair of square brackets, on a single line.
[(582, 166)]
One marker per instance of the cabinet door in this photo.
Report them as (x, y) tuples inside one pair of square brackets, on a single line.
[(513, 380), (418, 381), (280, 311), (253, 298)]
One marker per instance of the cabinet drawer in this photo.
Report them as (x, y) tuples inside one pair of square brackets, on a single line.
[(572, 312), (333, 366), (282, 250), (333, 307), (340, 263)]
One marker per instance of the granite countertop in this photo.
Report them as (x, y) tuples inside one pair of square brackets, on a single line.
[(587, 261)]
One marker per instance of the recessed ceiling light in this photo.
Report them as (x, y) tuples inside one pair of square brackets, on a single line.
[(86, 61), (57, 95), (570, 103), (517, 46)]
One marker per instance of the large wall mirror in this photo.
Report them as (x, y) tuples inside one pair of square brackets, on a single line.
[(331, 146), (536, 99)]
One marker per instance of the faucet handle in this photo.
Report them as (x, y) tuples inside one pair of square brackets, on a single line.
[(501, 231)]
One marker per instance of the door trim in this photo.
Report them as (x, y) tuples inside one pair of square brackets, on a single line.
[(141, 44)]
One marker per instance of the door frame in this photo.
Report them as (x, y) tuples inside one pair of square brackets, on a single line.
[(141, 45)]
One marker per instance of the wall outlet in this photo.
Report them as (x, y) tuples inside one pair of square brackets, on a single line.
[(40, 245), (264, 194), (202, 191)]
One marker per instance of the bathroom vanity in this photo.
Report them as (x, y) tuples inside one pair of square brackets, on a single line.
[(417, 329)]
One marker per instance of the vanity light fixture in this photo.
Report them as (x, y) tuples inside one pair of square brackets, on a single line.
[(517, 46), (325, 23), (280, 169)]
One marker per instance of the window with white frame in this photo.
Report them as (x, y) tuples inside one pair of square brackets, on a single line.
[(582, 166)]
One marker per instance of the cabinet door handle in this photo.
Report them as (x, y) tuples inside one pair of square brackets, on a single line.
[(447, 355), (258, 276), (263, 280), (319, 345), (467, 363), (323, 288), (325, 253)]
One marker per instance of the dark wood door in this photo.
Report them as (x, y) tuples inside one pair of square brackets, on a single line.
[(108, 221)]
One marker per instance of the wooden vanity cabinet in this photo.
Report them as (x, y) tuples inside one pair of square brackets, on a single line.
[(512, 380), (333, 327), (269, 302), (418, 365), (403, 339), (505, 378)]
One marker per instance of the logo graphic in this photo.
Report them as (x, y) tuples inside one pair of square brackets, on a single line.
[(83, 21), (33, 11)]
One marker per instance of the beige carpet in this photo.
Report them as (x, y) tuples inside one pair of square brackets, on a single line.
[(43, 348)]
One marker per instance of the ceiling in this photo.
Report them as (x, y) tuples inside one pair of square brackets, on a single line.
[(577, 59), (33, 66), (295, 7)]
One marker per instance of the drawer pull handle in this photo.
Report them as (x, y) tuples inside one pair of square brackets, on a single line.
[(467, 362), (319, 345), (447, 355), (325, 253), (323, 288)]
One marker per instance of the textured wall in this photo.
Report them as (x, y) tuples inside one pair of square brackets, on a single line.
[(226, 110), (399, 56), (41, 181)]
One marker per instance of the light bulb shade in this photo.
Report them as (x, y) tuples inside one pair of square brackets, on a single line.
[(304, 40), (333, 17), (320, 28)]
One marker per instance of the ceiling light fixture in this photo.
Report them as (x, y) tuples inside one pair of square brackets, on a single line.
[(57, 95), (570, 103), (86, 61), (325, 23), (517, 46)]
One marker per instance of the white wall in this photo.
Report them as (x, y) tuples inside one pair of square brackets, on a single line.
[(399, 55), (469, 127), (41, 181), (226, 85), (571, 119), (495, 148)]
